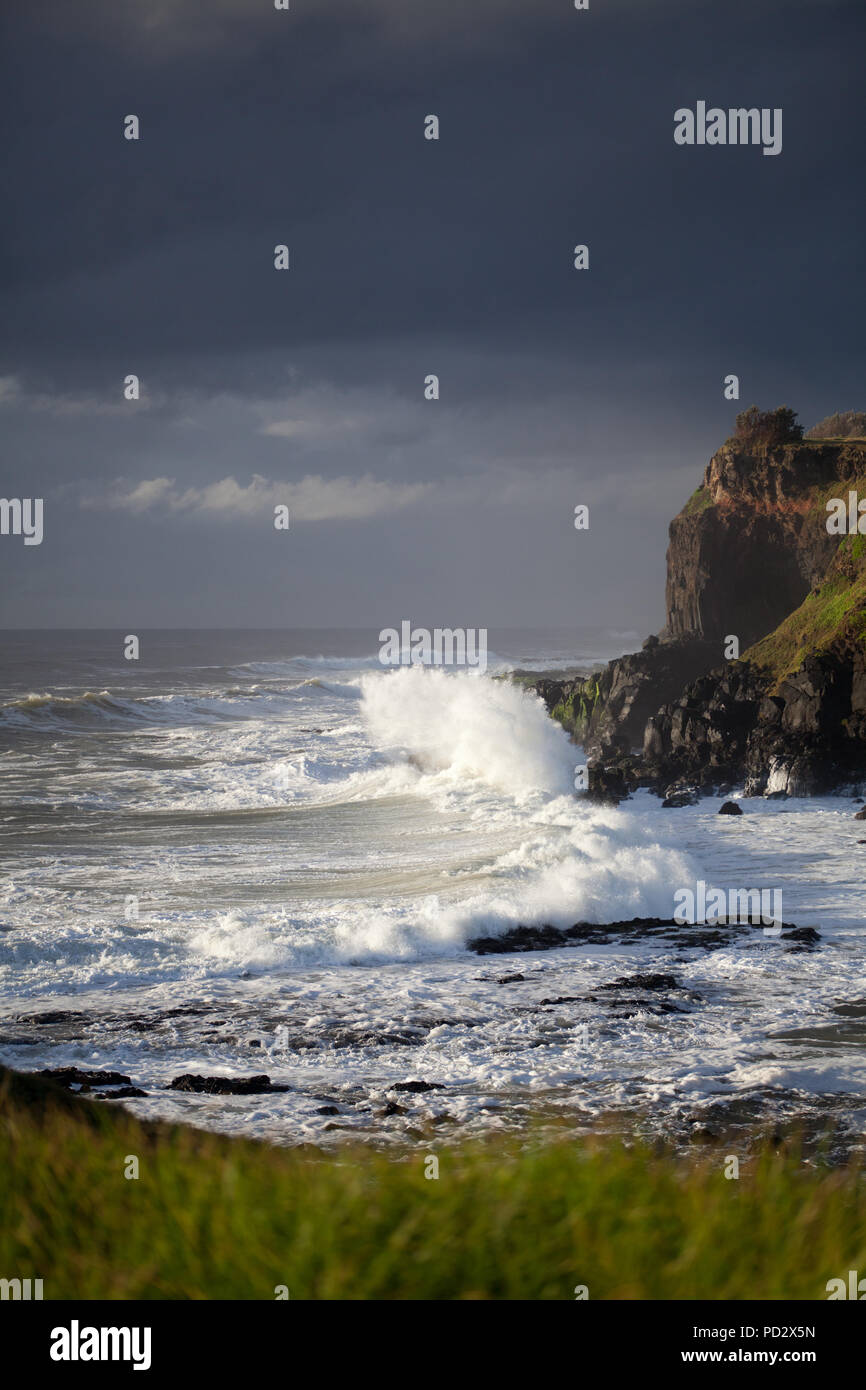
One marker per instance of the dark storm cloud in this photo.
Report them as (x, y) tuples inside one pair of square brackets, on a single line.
[(410, 257)]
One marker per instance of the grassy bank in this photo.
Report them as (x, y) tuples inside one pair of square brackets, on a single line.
[(215, 1218)]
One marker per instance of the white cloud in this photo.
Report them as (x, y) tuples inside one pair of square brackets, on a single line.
[(311, 428), (310, 499)]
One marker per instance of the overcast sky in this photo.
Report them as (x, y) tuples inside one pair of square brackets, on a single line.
[(407, 257)]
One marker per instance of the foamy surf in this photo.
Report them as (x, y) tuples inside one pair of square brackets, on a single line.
[(309, 846)]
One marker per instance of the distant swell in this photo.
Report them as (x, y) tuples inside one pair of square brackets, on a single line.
[(47, 710)]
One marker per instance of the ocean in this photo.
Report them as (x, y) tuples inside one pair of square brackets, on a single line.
[(261, 852)]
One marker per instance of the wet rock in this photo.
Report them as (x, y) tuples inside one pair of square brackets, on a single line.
[(509, 979), (392, 1108), (226, 1085), (643, 982), (803, 934), (675, 799), (730, 808), (74, 1076), (53, 1016), (545, 938), (328, 1110), (607, 785), (365, 1037), (518, 939), (416, 1086), (803, 939), (860, 815), (122, 1093), (707, 935)]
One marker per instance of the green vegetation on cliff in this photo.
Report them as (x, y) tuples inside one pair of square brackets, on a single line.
[(832, 616), (699, 501), (575, 711)]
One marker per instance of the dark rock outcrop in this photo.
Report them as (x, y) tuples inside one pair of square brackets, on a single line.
[(728, 725), (607, 712), (74, 1076), (226, 1085), (708, 935), (417, 1086)]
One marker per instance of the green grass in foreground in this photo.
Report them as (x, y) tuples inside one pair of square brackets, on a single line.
[(216, 1218)]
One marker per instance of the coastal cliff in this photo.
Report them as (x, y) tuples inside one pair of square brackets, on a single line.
[(750, 557)]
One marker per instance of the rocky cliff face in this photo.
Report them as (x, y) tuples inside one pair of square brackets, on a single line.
[(749, 556), (608, 712), (804, 738), (752, 541)]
